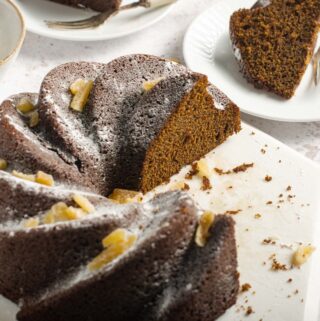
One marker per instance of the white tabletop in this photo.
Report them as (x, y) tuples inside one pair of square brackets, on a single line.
[(165, 38)]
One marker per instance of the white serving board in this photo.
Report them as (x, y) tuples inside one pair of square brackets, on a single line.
[(297, 220), (207, 49)]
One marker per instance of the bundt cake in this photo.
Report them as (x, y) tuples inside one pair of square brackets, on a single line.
[(67, 252), (97, 5), (119, 140), (274, 41)]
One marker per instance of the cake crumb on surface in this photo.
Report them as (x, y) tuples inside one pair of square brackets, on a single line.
[(206, 185), (232, 212), (241, 168), (249, 311), (245, 287), (268, 178)]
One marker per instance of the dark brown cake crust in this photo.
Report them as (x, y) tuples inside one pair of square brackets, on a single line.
[(137, 278), (274, 43), (27, 149), (69, 131), (217, 262)]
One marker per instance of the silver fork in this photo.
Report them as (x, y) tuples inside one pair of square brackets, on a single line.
[(100, 18), (316, 67)]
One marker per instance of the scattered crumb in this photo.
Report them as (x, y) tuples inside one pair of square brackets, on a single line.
[(206, 185), (268, 178), (296, 291), (245, 287), (280, 161), (289, 188), (242, 168), (230, 187), (193, 171), (289, 280), (238, 169), (186, 187), (257, 216), (232, 212), (252, 133), (269, 203), (249, 311), (269, 241), (280, 195), (263, 151), (277, 266)]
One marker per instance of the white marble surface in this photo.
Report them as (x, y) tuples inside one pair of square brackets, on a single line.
[(165, 38)]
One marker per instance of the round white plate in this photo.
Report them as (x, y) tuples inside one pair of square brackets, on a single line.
[(125, 23), (207, 49)]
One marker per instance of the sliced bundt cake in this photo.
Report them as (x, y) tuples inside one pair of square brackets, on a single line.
[(67, 252), (101, 146), (274, 42), (98, 5)]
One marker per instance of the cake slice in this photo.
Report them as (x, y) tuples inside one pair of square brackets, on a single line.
[(25, 147), (162, 112), (274, 42), (189, 289), (178, 121), (97, 5), (123, 288)]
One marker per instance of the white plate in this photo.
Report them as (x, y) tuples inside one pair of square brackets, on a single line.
[(207, 49), (125, 23), (295, 221)]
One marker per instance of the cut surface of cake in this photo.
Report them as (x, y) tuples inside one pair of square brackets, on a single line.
[(274, 42), (68, 252)]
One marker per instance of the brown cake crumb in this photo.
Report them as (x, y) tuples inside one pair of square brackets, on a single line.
[(242, 168), (249, 311), (269, 203), (269, 241), (289, 188), (186, 187), (232, 212), (277, 266), (268, 178), (289, 280), (206, 185), (238, 169), (263, 151), (193, 171), (245, 287), (257, 216)]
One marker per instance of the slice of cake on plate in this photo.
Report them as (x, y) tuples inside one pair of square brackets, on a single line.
[(274, 42)]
